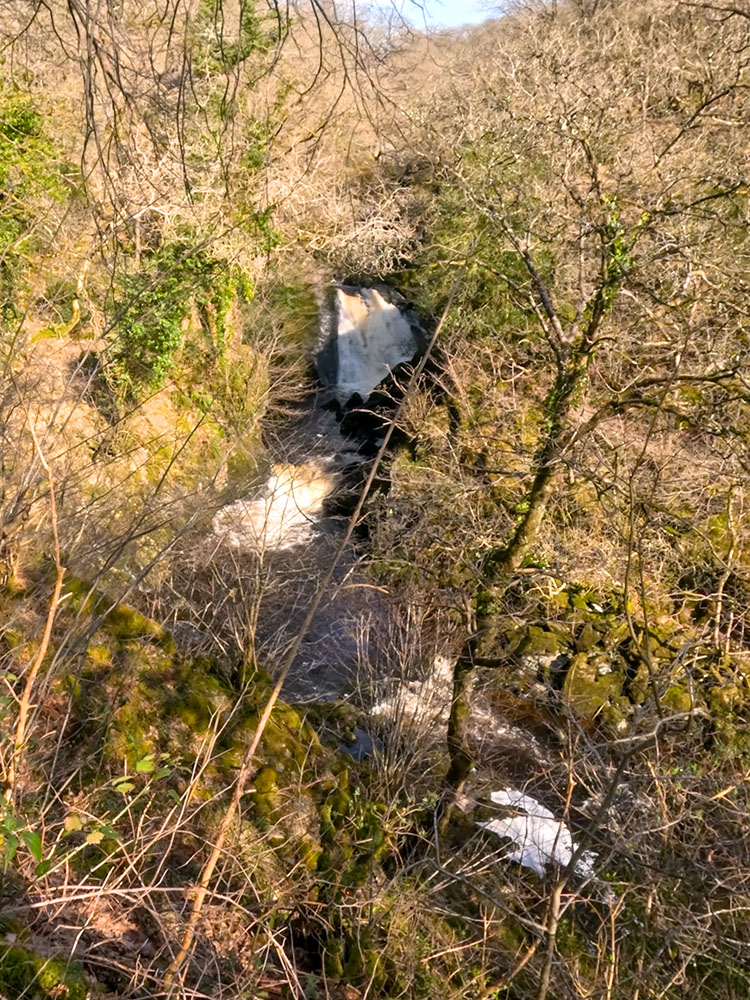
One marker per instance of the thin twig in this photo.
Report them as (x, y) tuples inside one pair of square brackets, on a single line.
[(24, 705)]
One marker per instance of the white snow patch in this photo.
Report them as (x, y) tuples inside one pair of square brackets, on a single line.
[(285, 513), (373, 337), (539, 838)]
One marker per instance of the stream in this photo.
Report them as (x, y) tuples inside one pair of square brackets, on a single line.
[(360, 641), (297, 517)]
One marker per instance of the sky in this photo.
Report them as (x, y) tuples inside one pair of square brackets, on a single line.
[(443, 13)]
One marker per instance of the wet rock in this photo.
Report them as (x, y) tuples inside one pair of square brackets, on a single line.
[(361, 747), (594, 683)]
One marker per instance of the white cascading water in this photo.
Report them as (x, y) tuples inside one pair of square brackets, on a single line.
[(539, 839), (373, 338), (365, 335), (285, 513)]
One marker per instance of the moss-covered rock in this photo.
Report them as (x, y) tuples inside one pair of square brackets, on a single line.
[(587, 637), (25, 973), (266, 794), (593, 682), (123, 622), (677, 698), (542, 641), (336, 721)]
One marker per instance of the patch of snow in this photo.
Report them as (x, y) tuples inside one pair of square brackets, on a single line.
[(538, 837), (285, 513)]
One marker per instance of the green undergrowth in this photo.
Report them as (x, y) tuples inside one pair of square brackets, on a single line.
[(178, 287), (26, 974), (141, 716), (35, 181), (324, 853)]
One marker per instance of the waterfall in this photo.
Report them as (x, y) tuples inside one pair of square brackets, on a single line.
[(366, 334), (369, 335)]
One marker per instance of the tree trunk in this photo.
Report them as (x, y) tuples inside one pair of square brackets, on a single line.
[(498, 567)]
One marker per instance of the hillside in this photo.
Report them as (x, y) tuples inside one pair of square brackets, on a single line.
[(374, 464)]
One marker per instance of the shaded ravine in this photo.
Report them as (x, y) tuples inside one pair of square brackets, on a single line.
[(358, 638), (296, 519)]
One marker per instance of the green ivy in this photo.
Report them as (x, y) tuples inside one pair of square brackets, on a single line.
[(221, 55), (153, 305), (619, 251), (31, 169)]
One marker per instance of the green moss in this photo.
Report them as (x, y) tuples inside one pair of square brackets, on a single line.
[(266, 795), (574, 944), (722, 698), (539, 641), (196, 693), (132, 734), (11, 638), (287, 310), (364, 960), (335, 720), (327, 826), (99, 655), (677, 699), (658, 648), (10, 583), (136, 695), (241, 385), (640, 685), (593, 682), (23, 973), (311, 852), (194, 711), (124, 622), (287, 740), (333, 957), (586, 638), (340, 799)]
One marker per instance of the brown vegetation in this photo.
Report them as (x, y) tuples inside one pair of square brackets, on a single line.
[(563, 195)]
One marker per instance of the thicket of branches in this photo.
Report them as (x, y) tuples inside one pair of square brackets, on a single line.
[(565, 522)]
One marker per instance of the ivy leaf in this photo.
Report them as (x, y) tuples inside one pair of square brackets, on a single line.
[(34, 843), (72, 822), (95, 837), (11, 845), (145, 765)]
